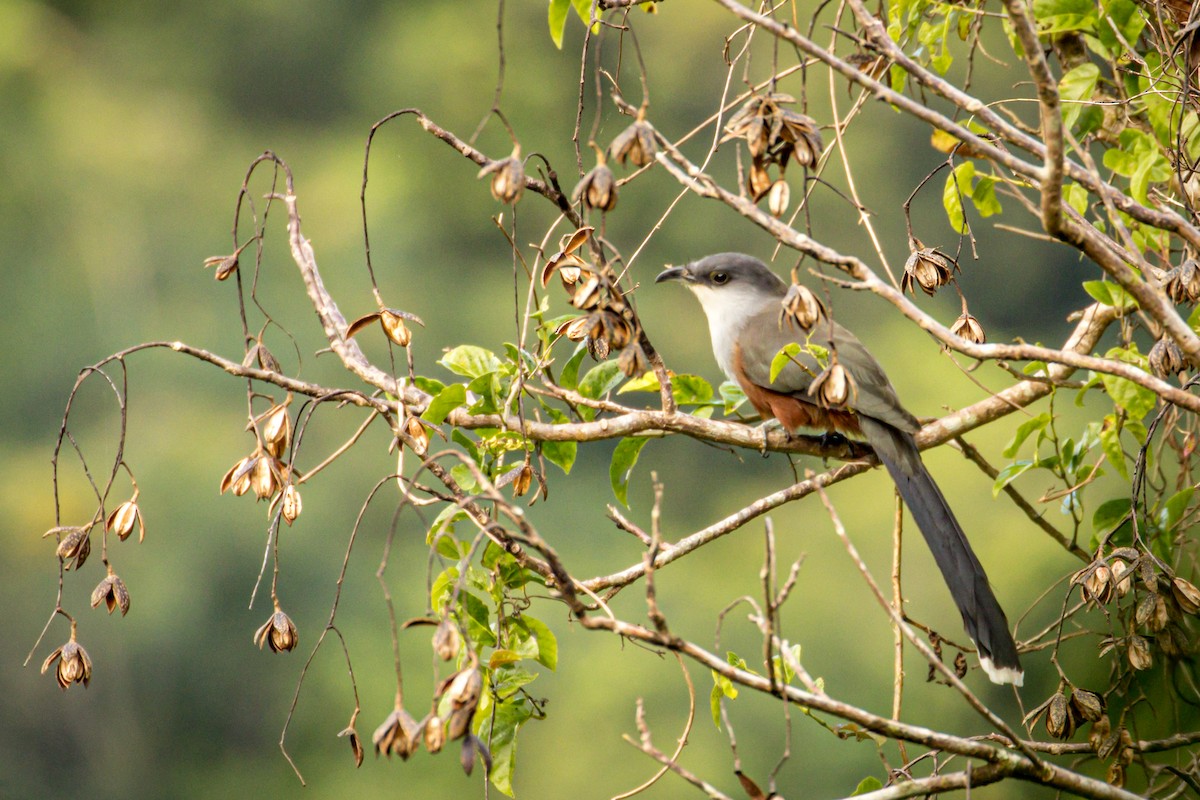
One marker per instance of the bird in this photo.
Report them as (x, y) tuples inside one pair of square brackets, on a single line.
[(843, 391)]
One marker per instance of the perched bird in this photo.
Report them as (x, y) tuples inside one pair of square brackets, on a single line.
[(845, 391)]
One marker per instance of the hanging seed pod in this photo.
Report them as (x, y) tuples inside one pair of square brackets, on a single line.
[(635, 143), (1140, 657), (632, 361), (122, 520), (434, 733), (112, 592), (420, 436), (834, 387), (508, 177), (356, 746), (292, 504), (74, 546), (967, 327), (928, 268), (399, 733), (1089, 705), (1058, 720), (277, 430), (778, 197), (1186, 595), (226, 265), (758, 180), (279, 632), (237, 479), (598, 188), (801, 306), (1166, 359), (74, 664)]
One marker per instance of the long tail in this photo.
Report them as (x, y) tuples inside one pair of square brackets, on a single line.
[(982, 615)]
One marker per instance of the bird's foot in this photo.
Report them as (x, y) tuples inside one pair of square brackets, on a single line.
[(833, 439), (765, 429)]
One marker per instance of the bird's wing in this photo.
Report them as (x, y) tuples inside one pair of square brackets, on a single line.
[(872, 395)]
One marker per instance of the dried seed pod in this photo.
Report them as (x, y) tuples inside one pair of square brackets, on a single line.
[(522, 481), (1140, 657), (464, 688), (264, 478), (927, 267), (758, 180), (420, 436), (279, 632), (277, 430), (565, 261), (1109, 740), (1122, 577), (508, 177), (74, 664), (355, 744), (1166, 359), (1186, 595), (1089, 705), (445, 640), (1099, 585), (632, 361), (834, 387), (237, 479), (121, 521), (588, 294), (1145, 609), (598, 188), (1160, 617), (967, 327), (1115, 774), (802, 306), (598, 349), (226, 265), (1058, 720), (778, 198), (434, 733), (635, 143), (614, 329), (292, 504), (74, 546), (112, 592), (399, 734), (575, 329)]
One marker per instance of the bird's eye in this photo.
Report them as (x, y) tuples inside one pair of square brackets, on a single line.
[(719, 278)]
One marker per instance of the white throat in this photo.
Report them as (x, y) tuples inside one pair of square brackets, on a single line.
[(728, 310)]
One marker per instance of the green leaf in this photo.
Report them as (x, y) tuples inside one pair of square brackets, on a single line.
[(984, 197), (1138, 401), (1110, 294), (1109, 517), (1122, 15), (478, 619), (1063, 16), (1025, 429), (569, 379), (624, 458), (547, 642), (499, 732), (443, 585), (557, 17), (732, 395), (1076, 89), (561, 454), (714, 702), (645, 383), (470, 361), (429, 386), (1110, 441), (446, 401), (1076, 197), (601, 379), (1010, 474), (867, 784), (786, 355), (958, 185), (1175, 507)]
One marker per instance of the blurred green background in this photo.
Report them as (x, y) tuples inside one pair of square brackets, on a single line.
[(126, 132)]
